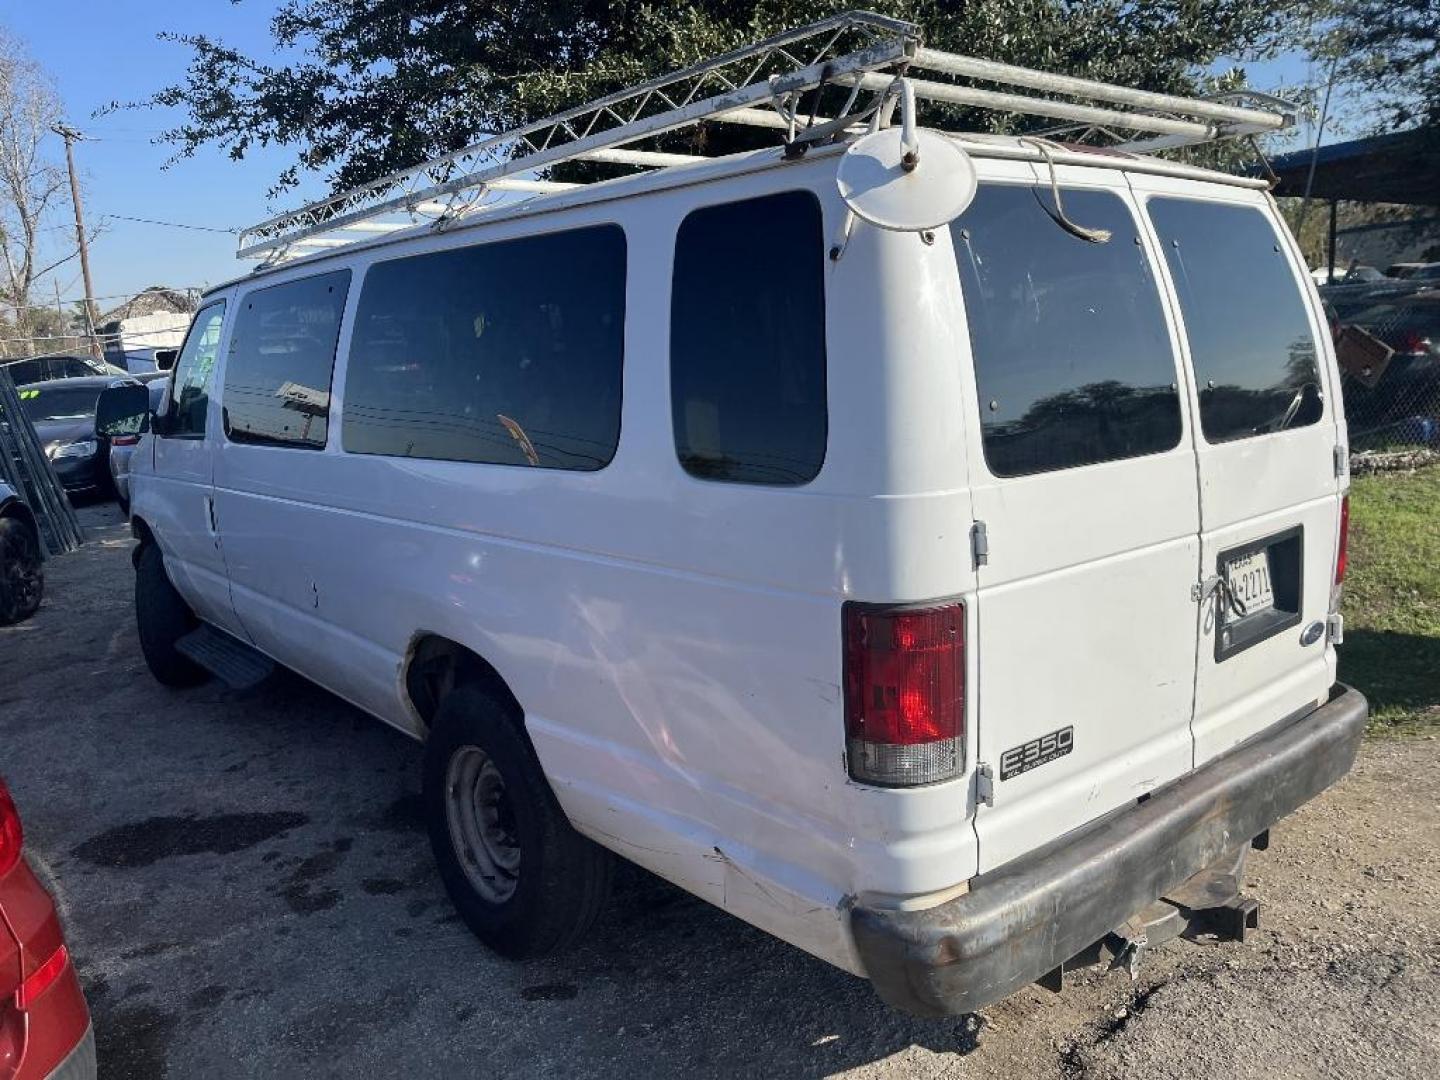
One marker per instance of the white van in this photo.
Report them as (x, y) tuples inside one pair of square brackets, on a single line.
[(954, 603)]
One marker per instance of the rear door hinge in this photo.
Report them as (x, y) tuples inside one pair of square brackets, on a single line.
[(980, 544), (1341, 459), (1335, 628), (984, 784)]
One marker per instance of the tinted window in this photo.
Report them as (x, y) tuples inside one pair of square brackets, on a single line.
[(507, 353), (282, 353), (1072, 358), (1250, 339), (747, 341), (27, 371), (193, 371), (60, 402)]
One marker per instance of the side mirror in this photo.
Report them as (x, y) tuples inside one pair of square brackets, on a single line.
[(165, 359), (123, 410)]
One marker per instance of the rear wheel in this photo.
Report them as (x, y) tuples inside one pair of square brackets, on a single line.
[(163, 618), (520, 876), (22, 574)]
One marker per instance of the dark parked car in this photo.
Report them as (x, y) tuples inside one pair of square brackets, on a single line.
[(1349, 300), (63, 412), (22, 577), (41, 368), (1407, 391)]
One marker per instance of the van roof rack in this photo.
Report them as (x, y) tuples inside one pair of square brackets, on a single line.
[(758, 85)]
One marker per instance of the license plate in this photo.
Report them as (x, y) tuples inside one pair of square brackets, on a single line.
[(1249, 578)]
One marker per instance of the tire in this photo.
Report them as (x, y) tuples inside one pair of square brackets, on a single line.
[(22, 571), (163, 618), (124, 503), (531, 885)]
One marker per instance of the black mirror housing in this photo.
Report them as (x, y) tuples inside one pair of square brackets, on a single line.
[(123, 410)]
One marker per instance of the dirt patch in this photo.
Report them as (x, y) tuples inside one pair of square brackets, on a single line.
[(142, 843)]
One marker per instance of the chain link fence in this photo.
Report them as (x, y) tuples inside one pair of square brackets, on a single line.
[(1390, 372)]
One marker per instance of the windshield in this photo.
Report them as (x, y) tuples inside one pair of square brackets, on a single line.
[(60, 403)]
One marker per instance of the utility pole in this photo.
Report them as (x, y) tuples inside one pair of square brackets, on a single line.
[(92, 316)]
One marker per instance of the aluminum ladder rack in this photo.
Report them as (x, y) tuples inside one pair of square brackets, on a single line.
[(759, 85)]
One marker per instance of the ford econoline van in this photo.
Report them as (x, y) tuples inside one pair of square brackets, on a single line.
[(954, 599)]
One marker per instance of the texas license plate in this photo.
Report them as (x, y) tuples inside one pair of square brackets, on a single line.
[(1249, 578)]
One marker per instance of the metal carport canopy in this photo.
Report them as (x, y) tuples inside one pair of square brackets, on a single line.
[(1403, 167)]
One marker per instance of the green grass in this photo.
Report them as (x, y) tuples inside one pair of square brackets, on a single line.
[(1392, 599)]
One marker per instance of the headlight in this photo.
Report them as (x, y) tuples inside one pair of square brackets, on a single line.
[(82, 449)]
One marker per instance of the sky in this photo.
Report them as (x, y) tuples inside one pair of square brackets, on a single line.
[(99, 51)]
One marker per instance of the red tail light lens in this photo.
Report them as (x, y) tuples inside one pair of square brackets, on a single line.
[(42, 978), (904, 693), (1342, 550), (125, 440), (12, 837)]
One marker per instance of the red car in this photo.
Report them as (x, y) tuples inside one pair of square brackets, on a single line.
[(45, 1031)]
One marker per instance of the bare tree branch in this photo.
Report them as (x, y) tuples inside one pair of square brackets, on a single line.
[(31, 185)]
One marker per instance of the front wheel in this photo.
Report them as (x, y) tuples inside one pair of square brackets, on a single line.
[(22, 573), (162, 617), (520, 876)]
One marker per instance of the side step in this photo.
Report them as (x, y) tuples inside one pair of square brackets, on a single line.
[(230, 660)]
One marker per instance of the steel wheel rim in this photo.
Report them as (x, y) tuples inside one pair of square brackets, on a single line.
[(482, 824), (22, 569)]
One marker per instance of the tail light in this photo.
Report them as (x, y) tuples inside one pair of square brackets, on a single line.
[(125, 440), (904, 693), (42, 978), (1342, 549), (1414, 342), (12, 837)]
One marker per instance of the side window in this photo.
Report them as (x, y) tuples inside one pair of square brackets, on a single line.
[(1073, 361), (27, 371), (747, 341), (282, 356), (508, 353), (190, 388), (1250, 338)]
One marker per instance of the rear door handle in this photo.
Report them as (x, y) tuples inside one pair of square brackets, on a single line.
[(210, 512)]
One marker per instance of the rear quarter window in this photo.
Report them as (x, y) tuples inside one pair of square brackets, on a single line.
[(1073, 361), (1251, 343), (747, 341)]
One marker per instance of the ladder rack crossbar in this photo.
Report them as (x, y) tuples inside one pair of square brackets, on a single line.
[(757, 85)]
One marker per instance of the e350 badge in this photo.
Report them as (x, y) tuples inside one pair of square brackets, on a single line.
[(1036, 752)]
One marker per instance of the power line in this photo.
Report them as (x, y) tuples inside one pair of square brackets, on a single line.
[(172, 224)]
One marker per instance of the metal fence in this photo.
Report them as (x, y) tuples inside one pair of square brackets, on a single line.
[(1391, 375)]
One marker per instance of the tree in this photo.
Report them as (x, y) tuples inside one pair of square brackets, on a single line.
[(1391, 50), (377, 85), (31, 185)]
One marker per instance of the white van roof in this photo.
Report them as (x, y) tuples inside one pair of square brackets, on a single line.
[(776, 83)]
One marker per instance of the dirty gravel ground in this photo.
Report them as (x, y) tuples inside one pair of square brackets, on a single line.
[(249, 893)]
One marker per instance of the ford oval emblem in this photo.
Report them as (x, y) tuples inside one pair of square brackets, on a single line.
[(1313, 633)]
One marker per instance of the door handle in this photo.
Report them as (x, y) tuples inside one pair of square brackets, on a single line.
[(210, 513)]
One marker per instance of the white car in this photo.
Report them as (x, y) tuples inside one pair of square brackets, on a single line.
[(951, 601)]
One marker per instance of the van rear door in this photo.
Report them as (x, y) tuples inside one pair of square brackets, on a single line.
[(1082, 469), (1268, 421)]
